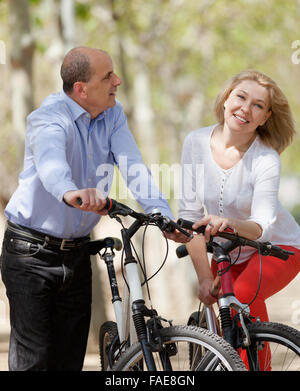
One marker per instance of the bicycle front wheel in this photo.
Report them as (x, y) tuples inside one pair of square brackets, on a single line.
[(274, 346), (108, 334), (185, 348)]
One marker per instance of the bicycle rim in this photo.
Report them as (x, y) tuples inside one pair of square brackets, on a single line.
[(177, 343), (274, 347)]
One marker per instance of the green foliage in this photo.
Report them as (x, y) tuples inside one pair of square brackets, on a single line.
[(296, 213), (36, 2), (82, 11)]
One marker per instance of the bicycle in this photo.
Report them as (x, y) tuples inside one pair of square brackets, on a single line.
[(242, 331), (133, 343)]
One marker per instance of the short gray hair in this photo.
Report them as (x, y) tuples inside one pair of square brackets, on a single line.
[(75, 67)]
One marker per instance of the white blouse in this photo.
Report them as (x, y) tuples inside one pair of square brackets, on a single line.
[(247, 191)]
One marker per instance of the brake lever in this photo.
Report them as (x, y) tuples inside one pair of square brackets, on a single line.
[(174, 225), (122, 212)]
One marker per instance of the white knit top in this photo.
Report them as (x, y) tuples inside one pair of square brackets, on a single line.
[(247, 191)]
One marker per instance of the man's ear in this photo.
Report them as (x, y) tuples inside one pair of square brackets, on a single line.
[(80, 89)]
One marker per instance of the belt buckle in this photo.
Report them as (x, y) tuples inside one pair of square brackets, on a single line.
[(62, 245)]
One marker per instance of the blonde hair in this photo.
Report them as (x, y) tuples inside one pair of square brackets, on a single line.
[(279, 130)]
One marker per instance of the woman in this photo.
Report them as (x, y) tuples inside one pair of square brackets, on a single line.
[(240, 181)]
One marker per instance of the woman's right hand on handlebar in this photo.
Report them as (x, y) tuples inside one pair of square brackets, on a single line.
[(92, 200), (177, 237)]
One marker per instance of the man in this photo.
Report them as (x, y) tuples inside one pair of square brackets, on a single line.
[(45, 263)]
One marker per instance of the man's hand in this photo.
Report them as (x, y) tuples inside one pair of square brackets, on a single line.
[(92, 200)]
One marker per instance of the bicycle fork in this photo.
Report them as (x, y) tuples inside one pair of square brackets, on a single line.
[(108, 258), (139, 310), (228, 300)]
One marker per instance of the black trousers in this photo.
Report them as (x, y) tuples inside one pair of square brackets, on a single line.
[(49, 293)]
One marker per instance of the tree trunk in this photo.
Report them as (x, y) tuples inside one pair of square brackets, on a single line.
[(21, 58), (63, 37)]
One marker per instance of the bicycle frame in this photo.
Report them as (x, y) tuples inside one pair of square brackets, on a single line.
[(227, 300), (131, 312)]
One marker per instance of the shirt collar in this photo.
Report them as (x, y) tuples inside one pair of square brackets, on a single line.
[(76, 109)]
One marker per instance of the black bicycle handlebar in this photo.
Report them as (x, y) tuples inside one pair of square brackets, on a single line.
[(115, 208), (266, 248), (185, 224), (165, 223)]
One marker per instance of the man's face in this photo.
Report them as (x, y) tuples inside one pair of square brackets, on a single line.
[(102, 87)]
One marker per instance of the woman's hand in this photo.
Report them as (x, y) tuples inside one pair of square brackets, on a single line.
[(205, 292), (213, 225), (177, 236), (248, 229)]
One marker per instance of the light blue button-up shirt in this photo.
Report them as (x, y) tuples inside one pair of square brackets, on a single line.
[(66, 150)]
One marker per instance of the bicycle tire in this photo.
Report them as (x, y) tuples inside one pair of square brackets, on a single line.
[(107, 334), (284, 338), (183, 336)]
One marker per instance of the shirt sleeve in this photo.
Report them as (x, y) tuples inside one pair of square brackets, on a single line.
[(192, 185), (47, 139), (135, 173), (264, 207)]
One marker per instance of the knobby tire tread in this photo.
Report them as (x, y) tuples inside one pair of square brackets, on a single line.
[(189, 332)]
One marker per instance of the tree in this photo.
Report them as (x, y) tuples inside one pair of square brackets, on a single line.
[(21, 58)]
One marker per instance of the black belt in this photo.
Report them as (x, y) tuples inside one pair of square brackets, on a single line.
[(47, 240)]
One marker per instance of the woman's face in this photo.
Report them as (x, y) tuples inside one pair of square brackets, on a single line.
[(247, 107)]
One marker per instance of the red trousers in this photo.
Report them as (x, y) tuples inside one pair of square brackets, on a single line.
[(276, 274)]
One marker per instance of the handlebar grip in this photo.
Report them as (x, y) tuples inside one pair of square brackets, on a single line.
[(109, 203), (280, 253), (182, 251), (189, 225)]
